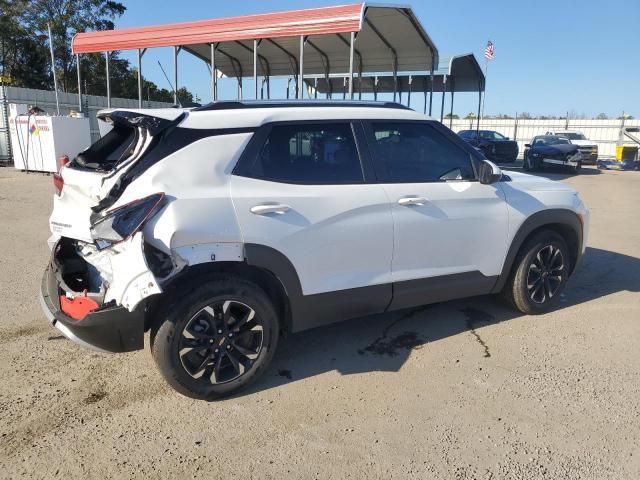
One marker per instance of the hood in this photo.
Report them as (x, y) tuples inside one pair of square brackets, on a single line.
[(583, 143), (535, 183), (555, 149)]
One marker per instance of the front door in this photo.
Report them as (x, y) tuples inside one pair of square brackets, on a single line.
[(450, 231)]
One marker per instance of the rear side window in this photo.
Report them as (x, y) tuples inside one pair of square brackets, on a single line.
[(417, 152), (115, 146), (308, 153)]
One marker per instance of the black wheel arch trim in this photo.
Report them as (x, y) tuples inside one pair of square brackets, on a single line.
[(544, 218)]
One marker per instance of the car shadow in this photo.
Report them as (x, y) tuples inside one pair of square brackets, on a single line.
[(384, 342)]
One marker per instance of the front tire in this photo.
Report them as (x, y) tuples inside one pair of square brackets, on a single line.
[(541, 271), (216, 339)]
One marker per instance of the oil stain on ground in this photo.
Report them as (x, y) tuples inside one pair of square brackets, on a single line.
[(474, 318), (390, 346), (94, 397), (286, 374)]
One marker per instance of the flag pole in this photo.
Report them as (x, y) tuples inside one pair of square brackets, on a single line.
[(484, 97)]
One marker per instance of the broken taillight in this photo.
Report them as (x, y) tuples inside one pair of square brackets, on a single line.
[(121, 223), (58, 181)]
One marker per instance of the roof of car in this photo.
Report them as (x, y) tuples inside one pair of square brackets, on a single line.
[(249, 114), (241, 104)]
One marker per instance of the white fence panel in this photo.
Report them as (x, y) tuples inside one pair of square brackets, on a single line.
[(603, 132)]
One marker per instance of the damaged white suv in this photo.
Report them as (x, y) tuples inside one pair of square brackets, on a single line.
[(219, 228)]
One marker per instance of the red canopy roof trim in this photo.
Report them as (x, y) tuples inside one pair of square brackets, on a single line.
[(312, 21)]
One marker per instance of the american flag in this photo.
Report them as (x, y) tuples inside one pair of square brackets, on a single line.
[(488, 51)]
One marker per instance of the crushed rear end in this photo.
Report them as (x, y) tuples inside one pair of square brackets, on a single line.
[(97, 283)]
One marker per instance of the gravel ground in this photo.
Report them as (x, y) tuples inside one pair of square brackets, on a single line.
[(464, 389)]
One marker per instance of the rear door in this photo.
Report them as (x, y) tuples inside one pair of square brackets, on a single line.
[(450, 231), (302, 190)]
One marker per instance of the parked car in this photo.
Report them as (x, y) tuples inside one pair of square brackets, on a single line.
[(546, 151), (494, 145), (220, 228), (588, 148)]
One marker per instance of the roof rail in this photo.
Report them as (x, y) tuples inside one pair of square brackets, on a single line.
[(233, 105)]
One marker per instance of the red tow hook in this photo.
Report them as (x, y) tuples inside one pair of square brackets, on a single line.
[(78, 307)]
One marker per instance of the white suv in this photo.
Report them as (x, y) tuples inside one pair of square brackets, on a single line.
[(219, 228)]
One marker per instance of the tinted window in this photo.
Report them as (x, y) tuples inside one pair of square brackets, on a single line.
[(551, 140), (416, 152), (309, 153)]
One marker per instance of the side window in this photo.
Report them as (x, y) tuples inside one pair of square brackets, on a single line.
[(417, 152), (309, 153)]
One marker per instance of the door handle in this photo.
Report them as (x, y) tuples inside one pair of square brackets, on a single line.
[(264, 209), (407, 201)]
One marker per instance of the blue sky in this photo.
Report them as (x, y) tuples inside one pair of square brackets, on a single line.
[(551, 56)]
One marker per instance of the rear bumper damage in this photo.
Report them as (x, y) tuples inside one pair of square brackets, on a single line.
[(108, 329), (115, 321)]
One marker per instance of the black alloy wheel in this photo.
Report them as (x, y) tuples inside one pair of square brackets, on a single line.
[(221, 341), (546, 272)]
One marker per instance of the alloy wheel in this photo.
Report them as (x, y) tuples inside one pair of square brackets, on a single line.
[(221, 342), (546, 273)]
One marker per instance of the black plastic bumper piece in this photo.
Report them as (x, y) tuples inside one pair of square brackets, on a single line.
[(109, 329)]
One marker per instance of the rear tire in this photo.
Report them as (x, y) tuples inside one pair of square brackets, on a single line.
[(217, 338), (540, 273)]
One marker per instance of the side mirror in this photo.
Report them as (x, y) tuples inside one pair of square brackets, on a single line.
[(489, 173), (506, 138), (527, 145)]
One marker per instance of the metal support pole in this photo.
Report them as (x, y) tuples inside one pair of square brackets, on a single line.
[(214, 76), (53, 68), (431, 82), (453, 88), (255, 68), (140, 54), (424, 90), (301, 75), (106, 56), (395, 78), (375, 88), (175, 75), (352, 41), (79, 83), (315, 87), (478, 117), (409, 91), (444, 91)]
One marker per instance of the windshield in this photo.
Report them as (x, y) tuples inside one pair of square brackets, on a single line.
[(541, 141), (573, 136), (491, 135)]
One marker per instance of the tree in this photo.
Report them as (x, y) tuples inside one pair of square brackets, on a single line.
[(24, 52), (602, 116), (470, 116), (525, 116), (448, 116)]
